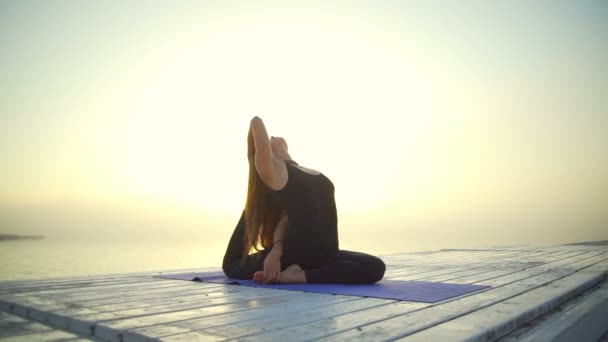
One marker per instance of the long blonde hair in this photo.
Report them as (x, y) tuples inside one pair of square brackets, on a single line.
[(262, 209)]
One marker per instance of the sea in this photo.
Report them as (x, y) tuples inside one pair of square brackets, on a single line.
[(48, 258)]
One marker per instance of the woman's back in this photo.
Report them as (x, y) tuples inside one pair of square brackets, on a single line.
[(311, 207)]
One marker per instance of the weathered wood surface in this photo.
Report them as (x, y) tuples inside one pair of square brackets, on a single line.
[(16, 329), (530, 285)]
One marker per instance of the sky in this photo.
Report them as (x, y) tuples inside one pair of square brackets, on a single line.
[(441, 123)]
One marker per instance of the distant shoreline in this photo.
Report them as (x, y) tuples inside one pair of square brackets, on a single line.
[(9, 237), (589, 243)]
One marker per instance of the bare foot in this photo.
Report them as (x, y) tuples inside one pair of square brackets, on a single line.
[(294, 274), (258, 277)]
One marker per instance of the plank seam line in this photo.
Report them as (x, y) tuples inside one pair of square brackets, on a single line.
[(602, 278), (194, 302), (178, 310), (88, 291), (246, 320), (104, 301), (95, 290), (136, 316), (304, 323), (596, 281), (562, 300), (424, 308), (558, 309), (28, 306), (532, 267), (450, 300), (46, 323), (134, 298)]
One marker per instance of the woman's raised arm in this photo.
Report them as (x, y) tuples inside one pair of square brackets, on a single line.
[(264, 158)]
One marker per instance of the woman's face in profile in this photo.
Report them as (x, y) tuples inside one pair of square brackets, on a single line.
[(278, 145)]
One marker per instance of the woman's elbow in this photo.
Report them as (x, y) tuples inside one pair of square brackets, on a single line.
[(256, 121)]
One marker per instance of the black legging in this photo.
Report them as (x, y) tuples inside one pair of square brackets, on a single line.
[(343, 267)]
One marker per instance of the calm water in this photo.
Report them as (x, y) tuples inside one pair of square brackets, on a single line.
[(47, 258), (35, 259)]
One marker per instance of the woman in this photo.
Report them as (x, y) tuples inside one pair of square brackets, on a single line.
[(291, 213)]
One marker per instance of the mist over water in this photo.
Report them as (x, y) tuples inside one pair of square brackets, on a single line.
[(98, 241)]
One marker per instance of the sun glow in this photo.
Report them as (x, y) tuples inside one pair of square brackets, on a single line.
[(424, 115), (186, 129)]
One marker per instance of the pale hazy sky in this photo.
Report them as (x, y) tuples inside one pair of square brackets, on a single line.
[(440, 123)]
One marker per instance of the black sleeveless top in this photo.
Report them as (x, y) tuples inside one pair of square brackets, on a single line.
[(311, 206)]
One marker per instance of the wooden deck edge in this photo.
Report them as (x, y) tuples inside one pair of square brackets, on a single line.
[(501, 328), (43, 334), (101, 276), (25, 312), (556, 302), (582, 318)]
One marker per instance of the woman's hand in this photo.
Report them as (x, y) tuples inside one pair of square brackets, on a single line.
[(272, 263), (272, 266), (283, 219)]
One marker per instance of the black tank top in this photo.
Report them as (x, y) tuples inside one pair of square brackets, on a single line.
[(310, 203)]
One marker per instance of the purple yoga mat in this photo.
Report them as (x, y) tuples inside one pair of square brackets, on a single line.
[(415, 291)]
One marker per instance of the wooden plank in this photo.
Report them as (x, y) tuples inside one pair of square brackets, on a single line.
[(22, 305), (582, 319), (42, 313), (577, 261), (232, 293), (422, 275), (17, 329), (83, 322), (63, 288), (493, 278), (316, 327), (499, 319), (588, 262), (137, 306), (35, 308), (234, 321), (101, 290), (63, 318), (600, 266), (484, 273), (66, 282), (334, 324), (275, 320), (465, 258), (97, 293), (100, 293), (11, 325), (477, 257), (345, 322), (114, 329), (582, 259), (98, 277), (440, 258), (411, 271), (454, 277), (410, 323)]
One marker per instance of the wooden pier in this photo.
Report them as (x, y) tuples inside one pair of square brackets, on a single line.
[(537, 293)]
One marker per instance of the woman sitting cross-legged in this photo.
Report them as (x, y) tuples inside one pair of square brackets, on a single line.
[(291, 213)]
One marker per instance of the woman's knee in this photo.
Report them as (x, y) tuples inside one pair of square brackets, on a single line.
[(235, 270), (375, 269), (228, 269)]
